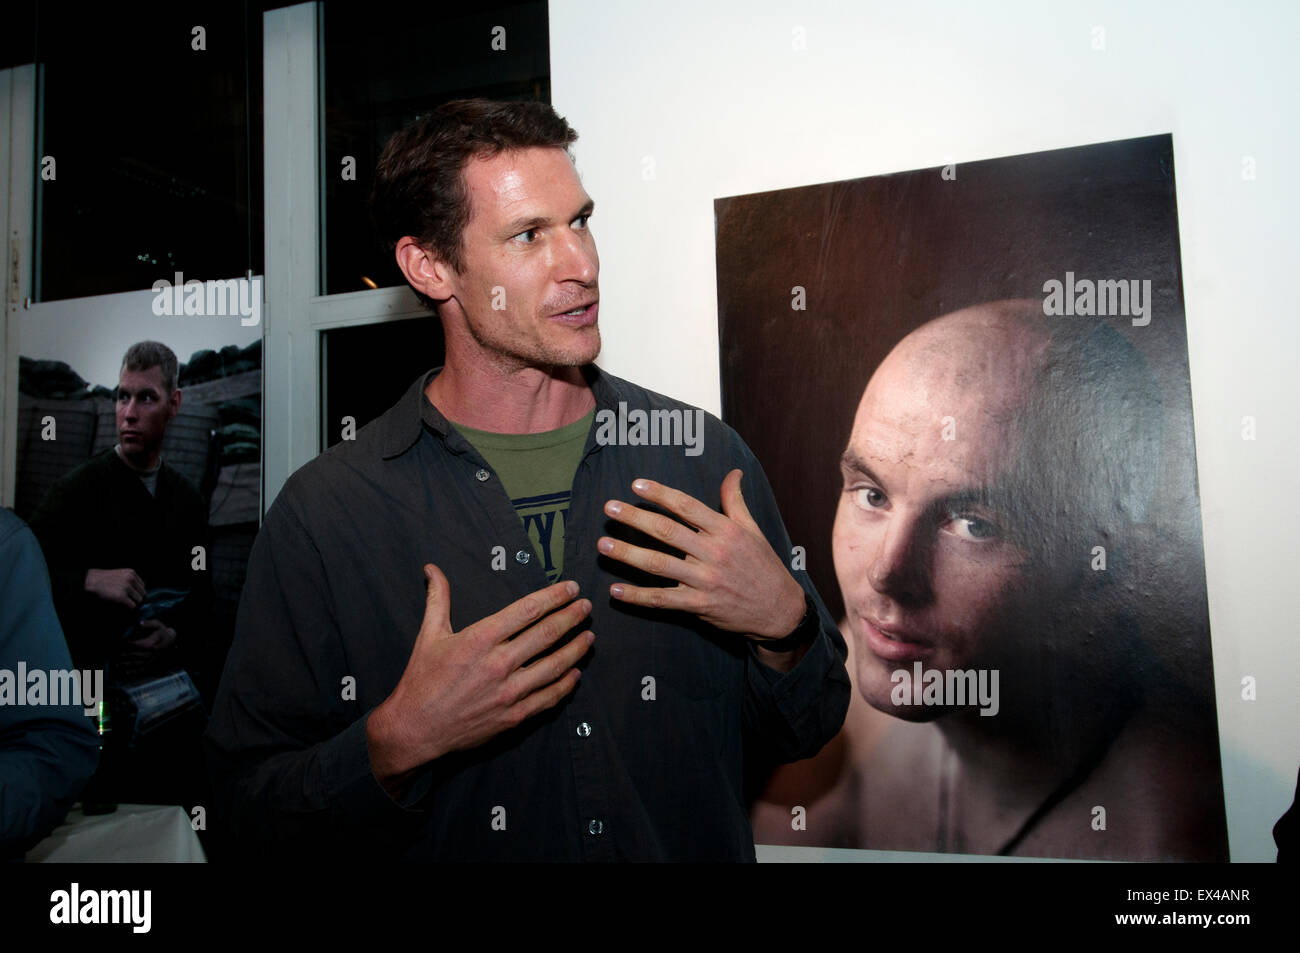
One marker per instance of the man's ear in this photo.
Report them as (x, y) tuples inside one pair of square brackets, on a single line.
[(174, 402), (424, 270)]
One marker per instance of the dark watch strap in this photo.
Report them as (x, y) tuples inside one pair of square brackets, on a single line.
[(804, 633)]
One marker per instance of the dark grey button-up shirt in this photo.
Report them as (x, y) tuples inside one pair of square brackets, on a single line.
[(644, 761)]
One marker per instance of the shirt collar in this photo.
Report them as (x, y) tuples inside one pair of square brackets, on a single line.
[(401, 426)]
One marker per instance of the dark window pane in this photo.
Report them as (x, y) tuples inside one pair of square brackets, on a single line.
[(157, 145), (367, 368), (18, 38), (386, 64)]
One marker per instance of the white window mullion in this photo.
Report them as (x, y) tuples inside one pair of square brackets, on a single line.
[(18, 147), (290, 360)]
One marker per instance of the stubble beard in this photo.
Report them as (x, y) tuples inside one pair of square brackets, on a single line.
[(512, 354)]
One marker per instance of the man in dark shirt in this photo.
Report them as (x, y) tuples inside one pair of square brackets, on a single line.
[(119, 526), (360, 713), (124, 522)]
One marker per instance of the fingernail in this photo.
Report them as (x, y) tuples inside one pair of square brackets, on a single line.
[(591, 636), (605, 545), (613, 508), (616, 591), (639, 484), (571, 588)]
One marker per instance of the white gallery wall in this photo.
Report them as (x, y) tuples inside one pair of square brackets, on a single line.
[(679, 103)]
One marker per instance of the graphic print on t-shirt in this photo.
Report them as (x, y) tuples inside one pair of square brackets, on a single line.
[(537, 471), (544, 522)]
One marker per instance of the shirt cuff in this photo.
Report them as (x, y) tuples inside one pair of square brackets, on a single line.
[(807, 672), (809, 696), (360, 798)]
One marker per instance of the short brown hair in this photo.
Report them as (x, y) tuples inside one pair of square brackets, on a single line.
[(419, 187), (146, 354)]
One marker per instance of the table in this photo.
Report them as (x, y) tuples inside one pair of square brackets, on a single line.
[(134, 833)]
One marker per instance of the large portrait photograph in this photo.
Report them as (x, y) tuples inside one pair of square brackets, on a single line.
[(969, 388)]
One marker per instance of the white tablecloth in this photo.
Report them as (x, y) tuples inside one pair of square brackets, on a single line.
[(134, 833)]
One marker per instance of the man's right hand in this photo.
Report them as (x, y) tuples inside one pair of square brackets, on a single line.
[(462, 688), (116, 585)]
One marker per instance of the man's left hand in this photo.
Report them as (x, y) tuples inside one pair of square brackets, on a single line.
[(730, 576), (160, 637)]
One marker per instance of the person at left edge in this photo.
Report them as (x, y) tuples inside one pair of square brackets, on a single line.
[(47, 751), (340, 725)]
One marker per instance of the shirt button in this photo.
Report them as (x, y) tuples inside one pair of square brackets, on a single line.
[(522, 557), (482, 476), (584, 729), (595, 826)]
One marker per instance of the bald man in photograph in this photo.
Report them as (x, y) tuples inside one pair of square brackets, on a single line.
[(1014, 692)]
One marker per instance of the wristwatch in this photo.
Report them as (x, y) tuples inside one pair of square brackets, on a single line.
[(804, 633)]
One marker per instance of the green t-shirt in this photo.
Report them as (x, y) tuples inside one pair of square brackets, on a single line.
[(537, 471)]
